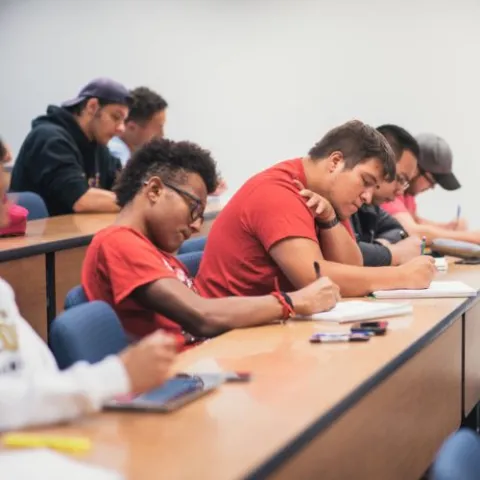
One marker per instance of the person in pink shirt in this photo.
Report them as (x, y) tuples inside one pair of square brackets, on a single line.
[(434, 167)]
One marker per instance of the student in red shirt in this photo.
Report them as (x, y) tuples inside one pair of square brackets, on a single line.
[(162, 194), (266, 230), (434, 167)]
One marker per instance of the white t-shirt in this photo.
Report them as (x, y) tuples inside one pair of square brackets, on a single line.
[(118, 148), (33, 390)]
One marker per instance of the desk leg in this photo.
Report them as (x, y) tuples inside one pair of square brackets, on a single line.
[(68, 270)]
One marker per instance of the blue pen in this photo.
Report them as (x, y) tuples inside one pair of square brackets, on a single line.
[(459, 211)]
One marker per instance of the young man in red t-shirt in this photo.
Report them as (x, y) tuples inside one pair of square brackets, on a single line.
[(162, 193), (266, 231), (434, 167)]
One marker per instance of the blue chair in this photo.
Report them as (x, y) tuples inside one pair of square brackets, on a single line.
[(76, 296), (32, 202), (458, 458), (193, 245), (192, 261), (88, 332)]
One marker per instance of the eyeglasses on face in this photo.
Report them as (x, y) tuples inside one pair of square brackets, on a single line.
[(194, 203), (403, 181)]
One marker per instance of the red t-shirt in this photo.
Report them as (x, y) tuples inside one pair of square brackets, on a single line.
[(121, 259), (401, 204), (267, 209)]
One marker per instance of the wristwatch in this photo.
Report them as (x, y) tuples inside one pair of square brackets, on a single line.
[(327, 225)]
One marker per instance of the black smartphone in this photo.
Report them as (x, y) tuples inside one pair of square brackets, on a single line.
[(375, 328)]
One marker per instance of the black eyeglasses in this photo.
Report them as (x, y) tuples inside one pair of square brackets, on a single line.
[(403, 181), (195, 204), (426, 175)]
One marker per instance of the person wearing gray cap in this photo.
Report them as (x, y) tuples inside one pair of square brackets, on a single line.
[(434, 167), (65, 158)]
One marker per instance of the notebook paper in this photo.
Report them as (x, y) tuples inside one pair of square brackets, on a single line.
[(356, 311), (441, 264), (442, 289), (43, 463)]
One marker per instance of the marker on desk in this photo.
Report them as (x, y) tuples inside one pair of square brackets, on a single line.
[(339, 337), (423, 245), (316, 266), (56, 442)]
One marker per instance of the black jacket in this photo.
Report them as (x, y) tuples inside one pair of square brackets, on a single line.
[(58, 162), (370, 223)]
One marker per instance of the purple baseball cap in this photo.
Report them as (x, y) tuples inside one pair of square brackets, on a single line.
[(104, 89)]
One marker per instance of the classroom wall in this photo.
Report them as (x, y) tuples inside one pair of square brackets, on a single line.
[(258, 81)]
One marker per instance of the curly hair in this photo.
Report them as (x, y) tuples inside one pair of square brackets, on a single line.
[(358, 142), (145, 103), (168, 160)]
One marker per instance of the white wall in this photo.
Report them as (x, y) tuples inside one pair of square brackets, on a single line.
[(258, 81)]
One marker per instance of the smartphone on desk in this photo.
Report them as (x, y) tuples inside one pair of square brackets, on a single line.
[(173, 394), (373, 328)]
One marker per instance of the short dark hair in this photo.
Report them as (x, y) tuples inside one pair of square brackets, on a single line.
[(145, 104), (168, 160), (400, 140), (3, 151), (80, 107), (358, 143)]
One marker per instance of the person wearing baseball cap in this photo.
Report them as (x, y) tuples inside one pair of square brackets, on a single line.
[(65, 158), (434, 167)]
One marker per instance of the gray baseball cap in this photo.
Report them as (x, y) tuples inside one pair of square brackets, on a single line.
[(103, 88), (436, 158)]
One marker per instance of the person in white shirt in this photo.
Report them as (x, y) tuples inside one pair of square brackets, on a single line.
[(145, 121), (33, 391)]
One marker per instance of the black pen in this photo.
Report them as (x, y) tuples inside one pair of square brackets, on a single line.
[(316, 266)]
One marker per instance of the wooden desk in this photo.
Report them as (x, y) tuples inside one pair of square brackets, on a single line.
[(358, 411), (46, 263), (470, 274), (27, 276)]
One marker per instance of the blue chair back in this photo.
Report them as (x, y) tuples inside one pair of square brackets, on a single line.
[(32, 202), (191, 261), (76, 296), (458, 458), (88, 332), (193, 245)]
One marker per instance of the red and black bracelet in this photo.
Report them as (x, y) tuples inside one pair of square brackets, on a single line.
[(285, 301)]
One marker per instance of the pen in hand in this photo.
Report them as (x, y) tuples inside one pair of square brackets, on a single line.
[(316, 267), (423, 245)]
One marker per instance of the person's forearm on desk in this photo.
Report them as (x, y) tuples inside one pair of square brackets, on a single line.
[(96, 200), (431, 232)]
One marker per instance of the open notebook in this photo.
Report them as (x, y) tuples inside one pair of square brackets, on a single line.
[(453, 289), (355, 311)]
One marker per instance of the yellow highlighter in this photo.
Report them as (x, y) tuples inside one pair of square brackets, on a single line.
[(55, 442)]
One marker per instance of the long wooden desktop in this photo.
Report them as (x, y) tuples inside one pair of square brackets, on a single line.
[(340, 411), (45, 264)]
